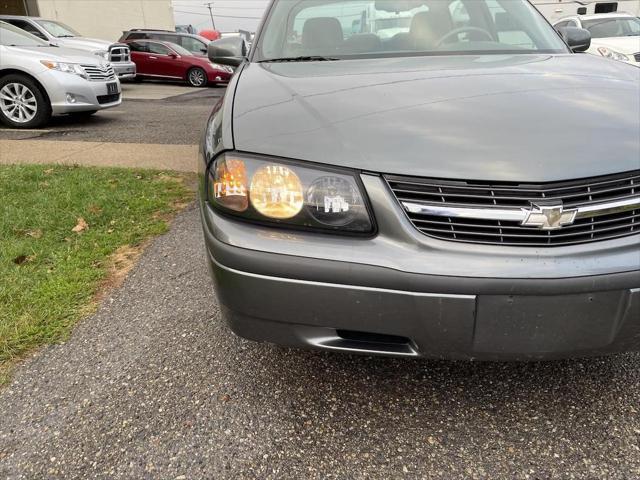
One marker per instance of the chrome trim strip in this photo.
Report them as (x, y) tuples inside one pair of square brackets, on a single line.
[(512, 214), (333, 343), (617, 206), (339, 285), (517, 214)]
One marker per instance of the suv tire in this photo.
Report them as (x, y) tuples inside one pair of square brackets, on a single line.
[(23, 102)]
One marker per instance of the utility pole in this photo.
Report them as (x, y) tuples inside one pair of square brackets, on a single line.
[(210, 7)]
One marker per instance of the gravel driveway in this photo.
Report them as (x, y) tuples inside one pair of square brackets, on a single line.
[(155, 386)]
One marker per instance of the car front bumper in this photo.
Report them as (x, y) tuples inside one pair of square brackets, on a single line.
[(125, 70), (406, 295), (62, 88)]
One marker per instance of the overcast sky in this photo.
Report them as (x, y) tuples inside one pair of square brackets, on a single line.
[(229, 15)]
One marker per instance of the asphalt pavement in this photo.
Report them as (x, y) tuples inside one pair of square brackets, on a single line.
[(158, 126), (155, 386), (151, 113)]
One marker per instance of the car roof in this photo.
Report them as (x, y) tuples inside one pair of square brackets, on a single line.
[(20, 17), (164, 32)]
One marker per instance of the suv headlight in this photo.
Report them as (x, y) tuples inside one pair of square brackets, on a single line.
[(65, 67), (102, 54), (608, 53), (276, 191)]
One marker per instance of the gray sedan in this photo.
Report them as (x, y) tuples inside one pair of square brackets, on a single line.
[(438, 178)]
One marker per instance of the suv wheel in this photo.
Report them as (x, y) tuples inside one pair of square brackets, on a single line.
[(197, 77), (23, 103)]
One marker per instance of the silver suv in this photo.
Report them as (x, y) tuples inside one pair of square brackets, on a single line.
[(38, 80), (60, 34)]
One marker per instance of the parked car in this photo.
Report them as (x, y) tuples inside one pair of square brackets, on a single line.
[(613, 35), (157, 59), (554, 10), (196, 44), (64, 36), (38, 80), (442, 193)]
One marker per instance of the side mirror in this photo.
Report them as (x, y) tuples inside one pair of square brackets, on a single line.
[(578, 39), (173, 55), (228, 51)]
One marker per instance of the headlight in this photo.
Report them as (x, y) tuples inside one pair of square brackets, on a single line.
[(102, 54), (224, 68), (608, 53), (65, 67), (275, 191)]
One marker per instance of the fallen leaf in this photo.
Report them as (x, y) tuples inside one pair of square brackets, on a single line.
[(81, 226), (37, 233), (95, 209)]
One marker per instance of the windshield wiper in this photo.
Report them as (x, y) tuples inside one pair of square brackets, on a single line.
[(65, 36), (306, 58)]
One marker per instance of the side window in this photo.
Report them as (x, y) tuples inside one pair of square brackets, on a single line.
[(193, 44), (158, 49), (138, 47), (27, 27)]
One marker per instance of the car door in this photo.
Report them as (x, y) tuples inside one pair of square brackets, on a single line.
[(140, 56), (163, 61)]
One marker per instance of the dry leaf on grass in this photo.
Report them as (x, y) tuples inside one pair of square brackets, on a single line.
[(81, 226), (37, 233)]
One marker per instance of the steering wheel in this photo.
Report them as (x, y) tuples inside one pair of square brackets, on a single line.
[(457, 31)]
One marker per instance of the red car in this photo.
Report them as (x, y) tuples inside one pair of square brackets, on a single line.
[(156, 59)]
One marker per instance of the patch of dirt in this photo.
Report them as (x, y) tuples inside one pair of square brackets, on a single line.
[(120, 264)]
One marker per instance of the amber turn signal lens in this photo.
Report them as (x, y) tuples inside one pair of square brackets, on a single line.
[(230, 185), (276, 192)]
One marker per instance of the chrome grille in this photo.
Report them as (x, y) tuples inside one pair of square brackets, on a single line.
[(119, 54), (99, 74), (492, 213)]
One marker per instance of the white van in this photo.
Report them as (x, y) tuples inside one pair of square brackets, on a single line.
[(556, 9)]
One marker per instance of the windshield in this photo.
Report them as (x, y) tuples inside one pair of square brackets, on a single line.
[(58, 29), (613, 27), (338, 29), (16, 37)]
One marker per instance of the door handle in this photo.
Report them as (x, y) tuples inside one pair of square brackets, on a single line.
[(153, 58)]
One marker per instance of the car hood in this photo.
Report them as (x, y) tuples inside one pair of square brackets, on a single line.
[(82, 43), (59, 54), (627, 45), (510, 118)]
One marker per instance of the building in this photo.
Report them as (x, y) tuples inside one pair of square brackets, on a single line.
[(105, 19)]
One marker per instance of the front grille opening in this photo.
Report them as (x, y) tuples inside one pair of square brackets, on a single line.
[(102, 99), (488, 195), (368, 337)]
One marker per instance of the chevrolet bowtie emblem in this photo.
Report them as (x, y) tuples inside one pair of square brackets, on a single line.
[(549, 216)]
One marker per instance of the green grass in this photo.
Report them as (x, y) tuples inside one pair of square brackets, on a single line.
[(49, 274)]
